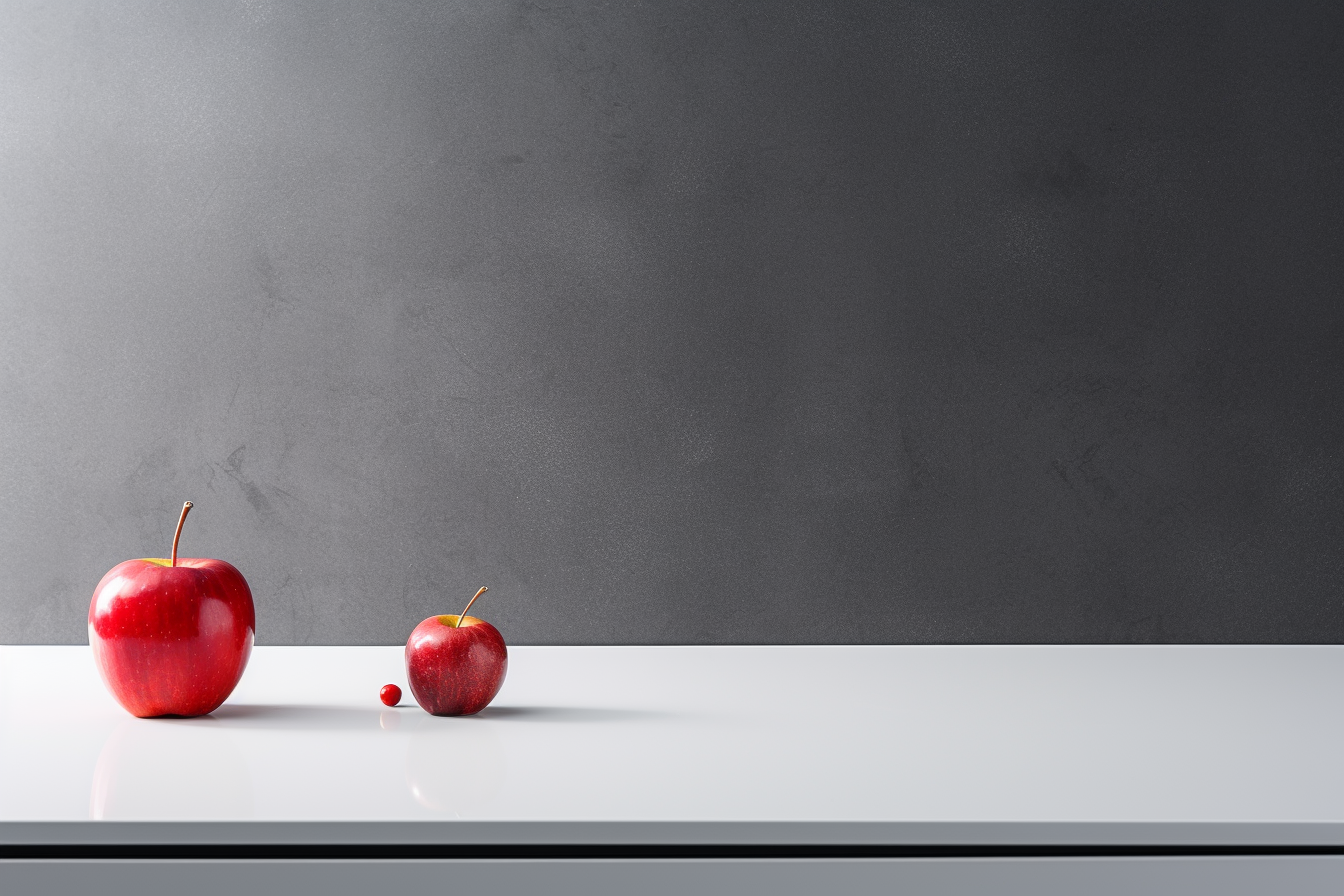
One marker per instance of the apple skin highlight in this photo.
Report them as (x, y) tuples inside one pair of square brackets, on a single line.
[(452, 669), (172, 640)]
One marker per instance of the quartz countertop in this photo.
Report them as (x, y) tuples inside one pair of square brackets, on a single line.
[(760, 744)]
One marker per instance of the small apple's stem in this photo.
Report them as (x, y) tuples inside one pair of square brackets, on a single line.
[(469, 603), (186, 508)]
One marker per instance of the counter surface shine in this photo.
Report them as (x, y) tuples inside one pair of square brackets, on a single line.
[(1219, 746)]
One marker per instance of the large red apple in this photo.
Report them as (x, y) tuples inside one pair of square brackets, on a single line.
[(455, 665), (172, 637)]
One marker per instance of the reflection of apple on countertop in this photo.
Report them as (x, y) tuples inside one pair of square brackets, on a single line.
[(172, 637)]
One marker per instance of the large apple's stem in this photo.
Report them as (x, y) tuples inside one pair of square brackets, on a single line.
[(469, 603), (178, 534)]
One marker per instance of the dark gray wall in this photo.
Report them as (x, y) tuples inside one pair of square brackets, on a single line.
[(680, 322)]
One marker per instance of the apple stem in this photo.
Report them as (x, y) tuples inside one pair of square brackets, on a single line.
[(178, 534), (468, 607)]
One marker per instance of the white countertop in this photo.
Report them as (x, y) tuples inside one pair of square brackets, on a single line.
[(1123, 744)]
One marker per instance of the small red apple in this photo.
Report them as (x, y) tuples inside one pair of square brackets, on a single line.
[(390, 695), (172, 637), (455, 665)]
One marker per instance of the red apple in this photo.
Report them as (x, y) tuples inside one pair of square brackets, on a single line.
[(455, 664), (172, 637)]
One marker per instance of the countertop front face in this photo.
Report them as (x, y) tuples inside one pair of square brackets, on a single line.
[(1210, 736)]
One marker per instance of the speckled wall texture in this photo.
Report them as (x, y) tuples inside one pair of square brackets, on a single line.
[(680, 322)]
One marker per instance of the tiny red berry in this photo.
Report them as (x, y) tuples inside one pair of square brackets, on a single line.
[(390, 694)]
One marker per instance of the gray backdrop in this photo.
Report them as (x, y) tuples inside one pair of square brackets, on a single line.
[(680, 322)]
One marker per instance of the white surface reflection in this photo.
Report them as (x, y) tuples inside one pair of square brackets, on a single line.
[(170, 769), (982, 734), (454, 765)]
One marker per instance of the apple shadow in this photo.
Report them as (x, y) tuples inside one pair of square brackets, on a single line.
[(298, 717), (295, 717), (568, 714)]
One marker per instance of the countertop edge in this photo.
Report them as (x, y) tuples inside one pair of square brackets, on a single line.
[(677, 833)]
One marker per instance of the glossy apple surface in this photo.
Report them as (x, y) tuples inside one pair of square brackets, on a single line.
[(455, 671), (171, 640)]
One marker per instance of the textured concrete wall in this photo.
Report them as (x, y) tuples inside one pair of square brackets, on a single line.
[(680, 322)]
